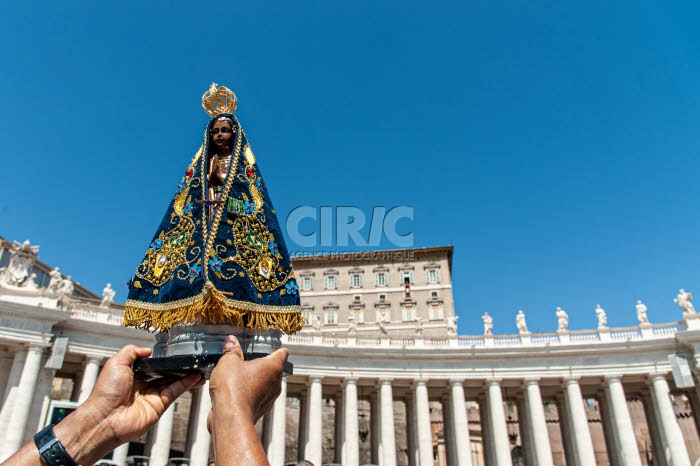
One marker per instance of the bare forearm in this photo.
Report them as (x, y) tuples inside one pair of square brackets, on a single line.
[(81, 434), (236, 442)]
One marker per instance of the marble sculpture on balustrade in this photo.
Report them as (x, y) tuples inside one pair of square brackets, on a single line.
[(562, 319), (107, 295), (419, 327), (520, 322), (641, 312), (488, 323), (602, 317), (683, 299), (452, 325)]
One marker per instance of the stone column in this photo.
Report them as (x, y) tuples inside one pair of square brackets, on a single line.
[(303, 431), (351, 451), (386, 400), (460, 424), (674, 447), (694, 398), (525, 430), (411, 436), (266, 436), (314, 446), (656, 446), (449, 443), (612, 443), (486, 436), (10, 394), (25, 392), (120, 454), (497, 427), (192, 417), (621, 423), (15, 373), (537, 424), (339, 440), (92, 369), (199, 451), (160, 449), (425, 435), (578, 421), (566, 431), (5, 369), (375, 429), (276, 447), (41, 400)]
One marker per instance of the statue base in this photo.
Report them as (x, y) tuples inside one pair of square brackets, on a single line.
[(186, 349)]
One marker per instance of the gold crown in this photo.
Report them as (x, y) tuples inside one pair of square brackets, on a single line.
[(219, 100)]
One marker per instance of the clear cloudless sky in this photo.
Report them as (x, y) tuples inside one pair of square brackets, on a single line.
[(555, 145)]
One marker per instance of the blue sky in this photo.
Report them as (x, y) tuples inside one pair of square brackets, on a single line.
[(554, 144)]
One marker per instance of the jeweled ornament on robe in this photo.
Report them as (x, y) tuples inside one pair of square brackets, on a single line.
[(218, 256)]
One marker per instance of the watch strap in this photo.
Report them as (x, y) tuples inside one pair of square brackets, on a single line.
[(51, 449)]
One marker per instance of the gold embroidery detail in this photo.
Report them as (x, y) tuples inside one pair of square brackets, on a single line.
[(159, 265), (211, 306), (252, 253), (257, 197), (179, 203), (248, 154)]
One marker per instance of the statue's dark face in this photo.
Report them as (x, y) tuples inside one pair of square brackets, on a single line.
[(222, 136)]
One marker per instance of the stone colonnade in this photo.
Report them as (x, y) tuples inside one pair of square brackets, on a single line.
[(495, 435), (28, 384)]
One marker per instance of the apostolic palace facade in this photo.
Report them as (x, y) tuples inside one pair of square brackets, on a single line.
[(381, 374)]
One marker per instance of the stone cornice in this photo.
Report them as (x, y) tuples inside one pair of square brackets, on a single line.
[(91, 351), (25, 337)]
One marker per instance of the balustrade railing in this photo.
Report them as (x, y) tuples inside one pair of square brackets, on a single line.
[(112, 314)]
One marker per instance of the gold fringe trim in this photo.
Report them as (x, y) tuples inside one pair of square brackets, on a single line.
[(211, 307)]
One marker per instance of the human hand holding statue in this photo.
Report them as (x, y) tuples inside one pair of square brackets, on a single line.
[(120, 408), (241, 392)]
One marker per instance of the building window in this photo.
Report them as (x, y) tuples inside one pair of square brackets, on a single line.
[(433, 294), (356, 280), (359, 315), (306, 314), (432, 275), (307, 283), (331, 282), (435, 312), (407, 274), (381, 278), (382, 297), (330, 315), (357, 298), (408, 314)]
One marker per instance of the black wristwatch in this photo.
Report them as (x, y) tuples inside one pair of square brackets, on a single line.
[(51, 449)]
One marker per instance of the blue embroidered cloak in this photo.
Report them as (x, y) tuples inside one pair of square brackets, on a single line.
[(217, 262)]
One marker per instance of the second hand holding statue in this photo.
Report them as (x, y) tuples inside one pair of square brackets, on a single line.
[(241, 392), (129, 406), (120, 409)]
